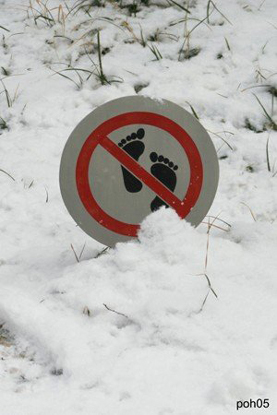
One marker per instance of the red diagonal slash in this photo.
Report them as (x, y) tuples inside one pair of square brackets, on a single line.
[(100, 137), (137, 170)]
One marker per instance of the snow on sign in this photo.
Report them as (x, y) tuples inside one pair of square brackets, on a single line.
[(131, 156)]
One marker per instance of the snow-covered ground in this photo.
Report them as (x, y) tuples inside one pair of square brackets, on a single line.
[(140, 329)]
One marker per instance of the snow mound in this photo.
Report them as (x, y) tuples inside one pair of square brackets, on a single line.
[(134, 328), (143, 288)]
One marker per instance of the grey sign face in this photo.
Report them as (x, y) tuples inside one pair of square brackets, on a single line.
[(131, 156)]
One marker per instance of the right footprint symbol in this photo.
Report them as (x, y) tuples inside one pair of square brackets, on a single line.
[(163, 170)]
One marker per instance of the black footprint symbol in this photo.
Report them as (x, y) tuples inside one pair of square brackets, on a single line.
[(163, 170), (135, 149)]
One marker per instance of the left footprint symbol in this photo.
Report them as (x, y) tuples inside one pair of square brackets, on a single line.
[(134, 147)]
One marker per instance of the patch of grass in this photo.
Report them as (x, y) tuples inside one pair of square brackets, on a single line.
[(141, 40), (79, 81), (180, 6), (70, 41), (133, 8), (273, 91), (249, 168), (210, 10), (78, 257), (86, 311), (39, 11), (86, 6), (190, 53), (100, 73), (158, 35), (5, 71), (4, 44), (250, 126), (139, 87), (56, 372), (3, 124), (271, 124), (5, 337), (97, 70), (9, 99), (93, 31), (186, 52), (219, 135), (105, 51), (154, 49)]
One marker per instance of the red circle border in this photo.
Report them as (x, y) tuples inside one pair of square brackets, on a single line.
[(122, 120)]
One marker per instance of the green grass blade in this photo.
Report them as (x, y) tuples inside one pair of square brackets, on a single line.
[(179, 5), (3, 171), (273, 124), (4, 28), (67, 77), (193, 110), (267, 155)]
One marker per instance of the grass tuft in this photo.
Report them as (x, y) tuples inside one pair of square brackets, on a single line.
[(273, 91), (10, 100), (271, 123), (78, 257), (250, 126), (96, 71), (3, 124), (154, 49), (173, 2), (49, 16), (209, 12), (140, 87)]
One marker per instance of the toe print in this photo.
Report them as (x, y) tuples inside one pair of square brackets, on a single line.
[(134, 147), (164, 171)]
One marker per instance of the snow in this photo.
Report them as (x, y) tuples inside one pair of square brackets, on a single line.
[(139, 329)]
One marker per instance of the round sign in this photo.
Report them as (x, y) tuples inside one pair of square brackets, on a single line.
[(131, 156)]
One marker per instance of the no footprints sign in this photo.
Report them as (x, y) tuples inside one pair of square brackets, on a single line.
[(131, 156)]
